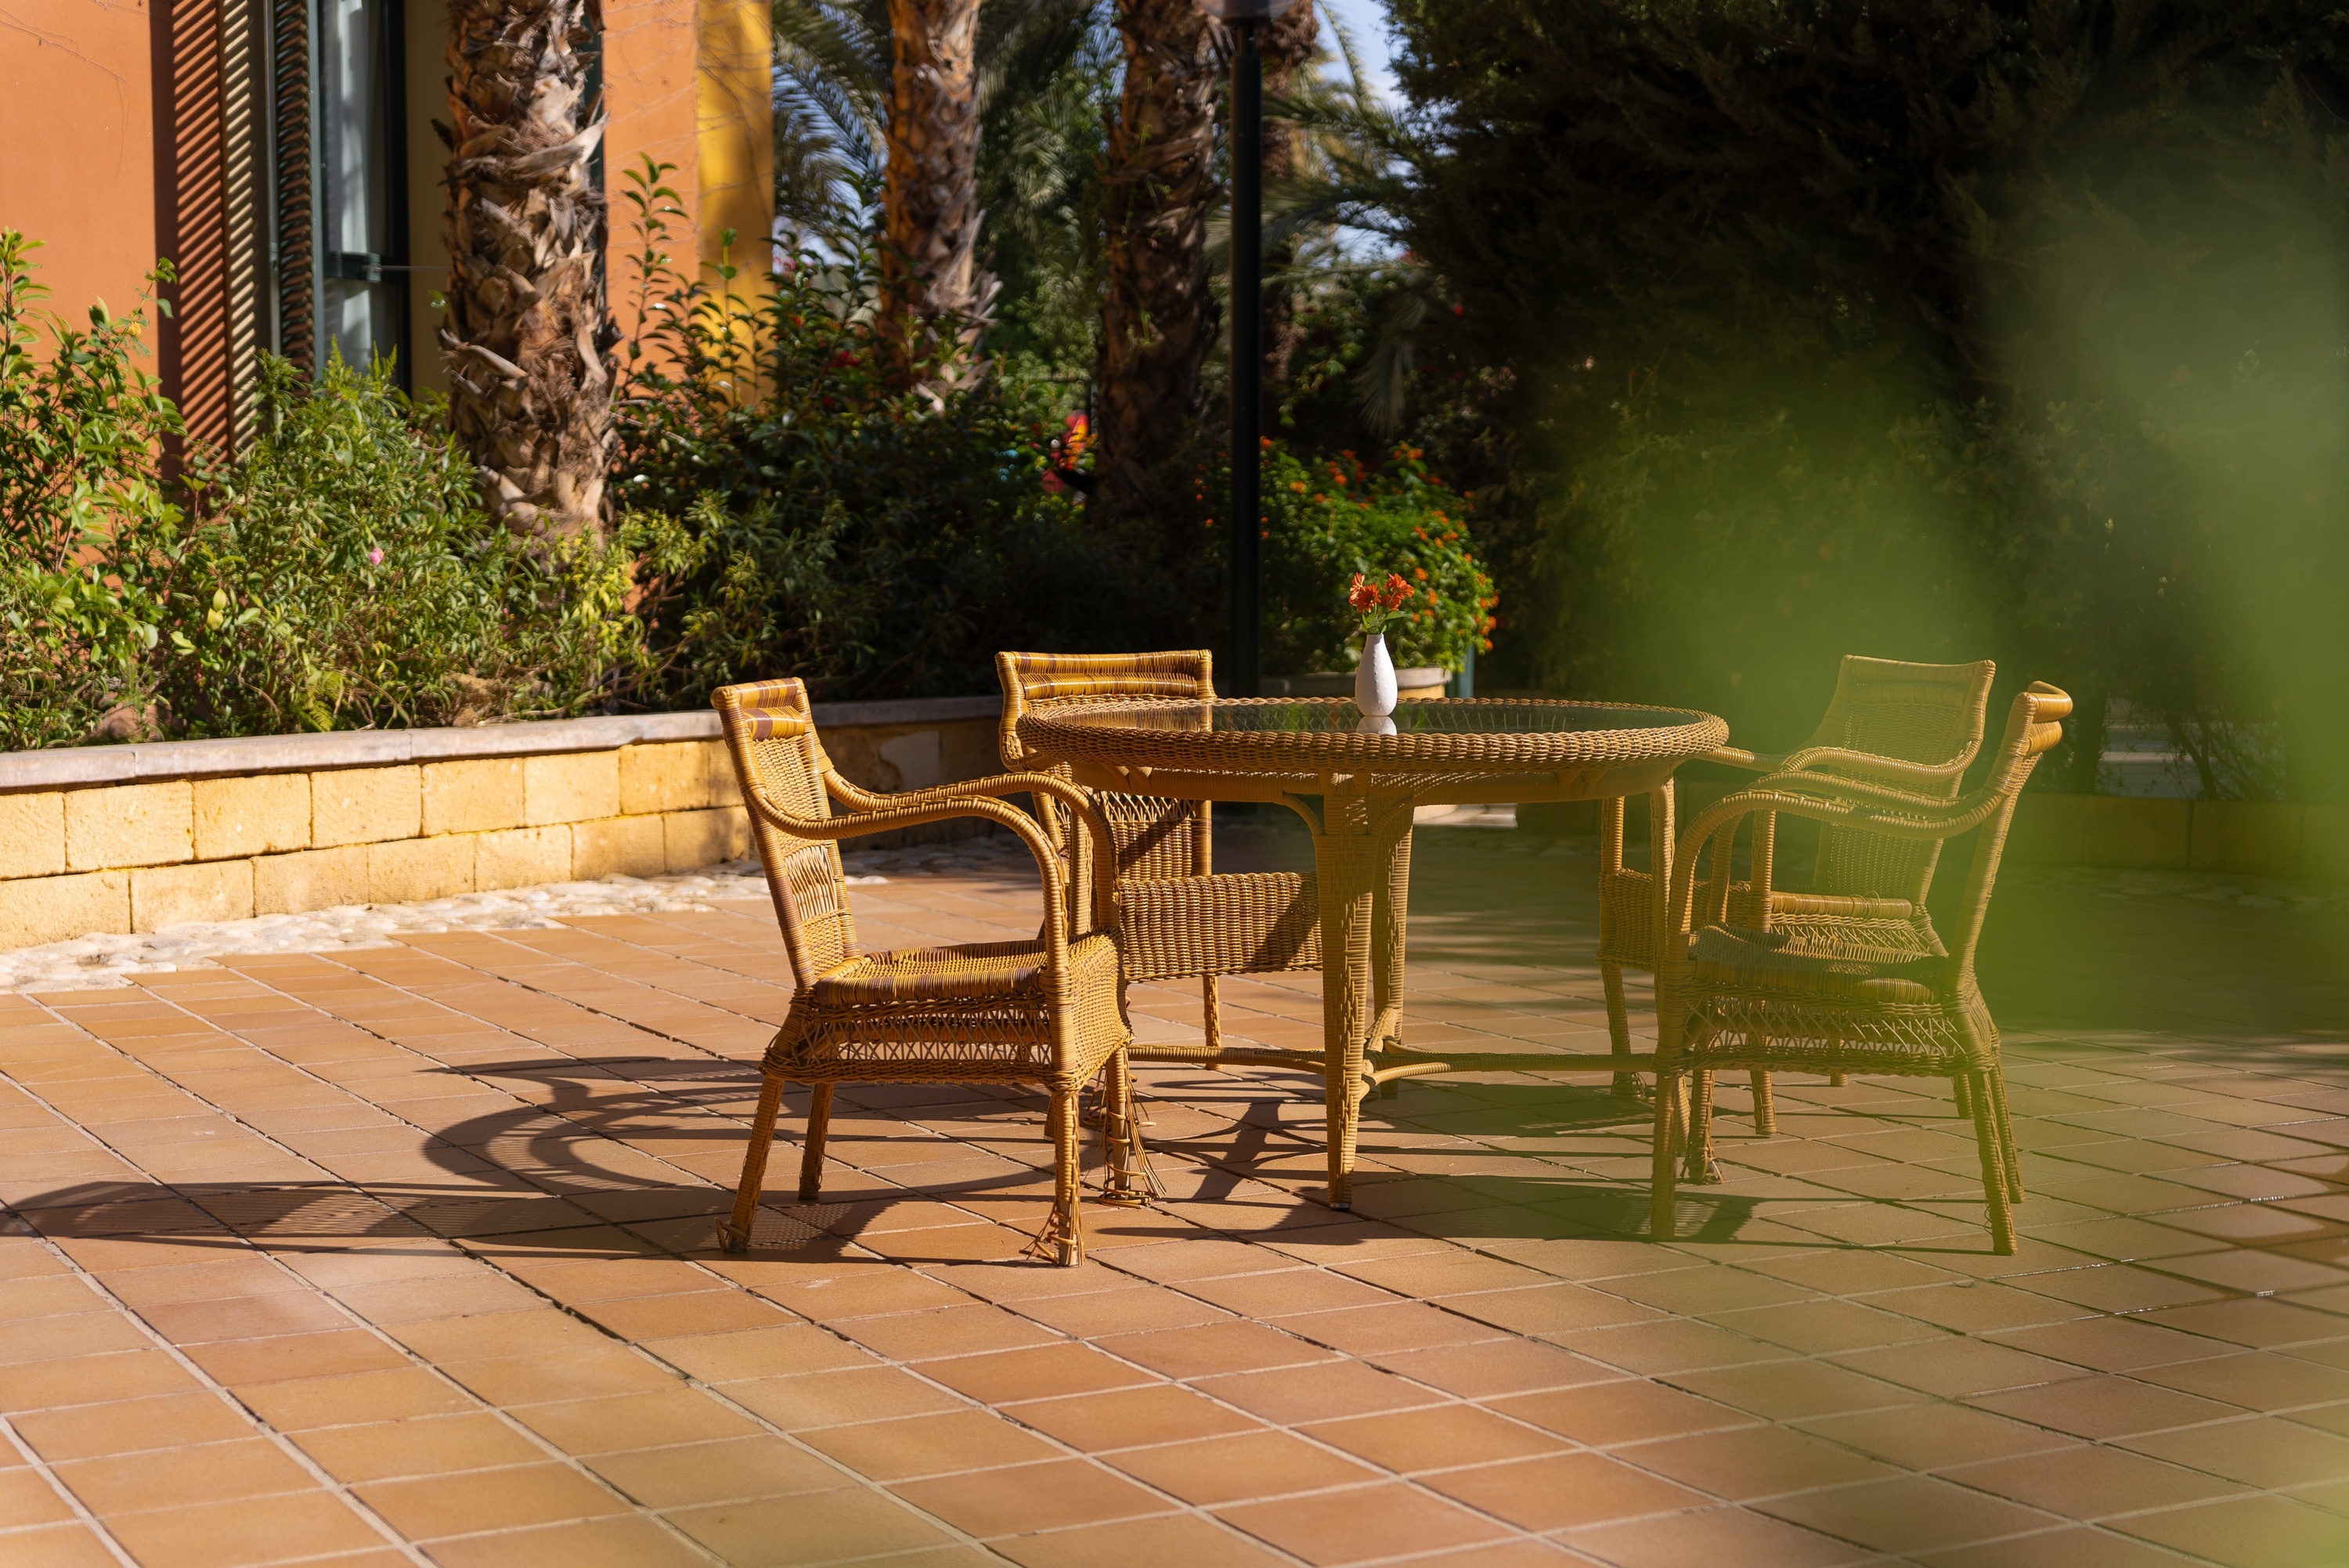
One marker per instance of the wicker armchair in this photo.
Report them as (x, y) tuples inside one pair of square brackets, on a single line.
[(1178, 917), (1914, 727), (1049, 1012), (1833, 998)]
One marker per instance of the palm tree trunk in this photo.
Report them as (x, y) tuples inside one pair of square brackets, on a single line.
[(527, 338), (1157, 179), (933, 301), (1287, 44)]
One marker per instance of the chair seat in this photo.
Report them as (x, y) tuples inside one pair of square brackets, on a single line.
[(1800, 966), (975, 1011)]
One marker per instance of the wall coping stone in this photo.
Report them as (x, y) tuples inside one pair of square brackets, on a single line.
[(81, 766)]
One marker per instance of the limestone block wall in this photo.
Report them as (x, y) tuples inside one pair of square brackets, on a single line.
[(138, 838)]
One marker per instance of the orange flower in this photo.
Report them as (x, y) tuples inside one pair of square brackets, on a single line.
[(1361, 595)]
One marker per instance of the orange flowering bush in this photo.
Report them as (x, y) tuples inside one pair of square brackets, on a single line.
[(1350, 548)]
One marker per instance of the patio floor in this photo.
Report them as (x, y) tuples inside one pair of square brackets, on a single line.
[(402, 1255)]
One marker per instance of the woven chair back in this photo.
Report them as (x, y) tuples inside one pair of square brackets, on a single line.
[(2034, 726), (1927, 713), (1156, 838), (771, 735)]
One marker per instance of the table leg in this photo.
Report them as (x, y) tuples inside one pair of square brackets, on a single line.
[(1390, 924), (1356, 851)]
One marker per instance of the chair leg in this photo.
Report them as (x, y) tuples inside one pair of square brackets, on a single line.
[(1838, 1080), (1132, 1182), (1994, 1168), (1211, 1008), (1619, 1027), (1064, 1236), (1995, 1081), (1667, 1163), (1965, 1098), (1765, 1104), (1701, 1169), (812, 1158), (735, 1235)]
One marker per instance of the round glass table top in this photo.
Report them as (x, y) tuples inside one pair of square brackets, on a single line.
[(1279, 734)]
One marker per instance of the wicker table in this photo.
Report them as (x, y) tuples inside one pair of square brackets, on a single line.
[(1356, 782)]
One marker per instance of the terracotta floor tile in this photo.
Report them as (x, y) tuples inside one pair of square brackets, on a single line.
[(1098, 1314), (1130, 1417), (27, 1497), (1028, 1498), (2262, 1451), (1628, 1410), (2090, 1482), (174, 1478), (428, 1506), (628, 1543), (90, 1379), (131, 1426), (1494, 1366), (303, 1402), (801, 1531), (1326, 1391), (831, 1399), (1753, 1461), (946, 1331), (1789, 1390), (775, 1351), (1437, 1438), (57, 1546), (1040, 1372), (1169, 1539), (1283, 1292), (248, 1530), (1956, 1367), (913, 1445), (734, 1469), (43, 1295), (1234, 1345), (2248, 1532), (1361, 1522), (670, 1415), (1560, 1492), (242, 1363), (2258, 1380), (569, 1375), (425, 1445), (693, 1312), (2111, 1344), (540, 1331), (246, 1318), (1932, 1437), (1240, 1467), (2081, 1547), (1906, 1514), (1722, 1535), (2103, 1408)]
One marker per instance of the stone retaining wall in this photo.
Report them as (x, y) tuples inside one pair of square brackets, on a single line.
[(136, 838)]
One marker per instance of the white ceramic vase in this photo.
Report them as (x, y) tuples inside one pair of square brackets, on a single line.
[(1374, 678)]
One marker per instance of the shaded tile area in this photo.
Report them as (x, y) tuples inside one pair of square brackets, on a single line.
[(404, 1255)]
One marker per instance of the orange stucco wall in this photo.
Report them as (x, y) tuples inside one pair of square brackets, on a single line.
[(78, 145), (110, 155)]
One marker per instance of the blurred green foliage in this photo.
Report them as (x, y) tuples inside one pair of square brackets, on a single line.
[(1930, 329)]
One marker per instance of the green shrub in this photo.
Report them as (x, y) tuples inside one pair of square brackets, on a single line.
[(347, 577), (337, 574)]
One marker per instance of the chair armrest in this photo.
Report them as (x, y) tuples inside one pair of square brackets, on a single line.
[(1839, 758), (1078, 802), (1738, 757)]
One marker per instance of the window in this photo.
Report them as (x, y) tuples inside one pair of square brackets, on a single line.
[(362, 217)]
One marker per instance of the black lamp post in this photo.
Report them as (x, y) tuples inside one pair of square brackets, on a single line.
[(1243, 678)]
